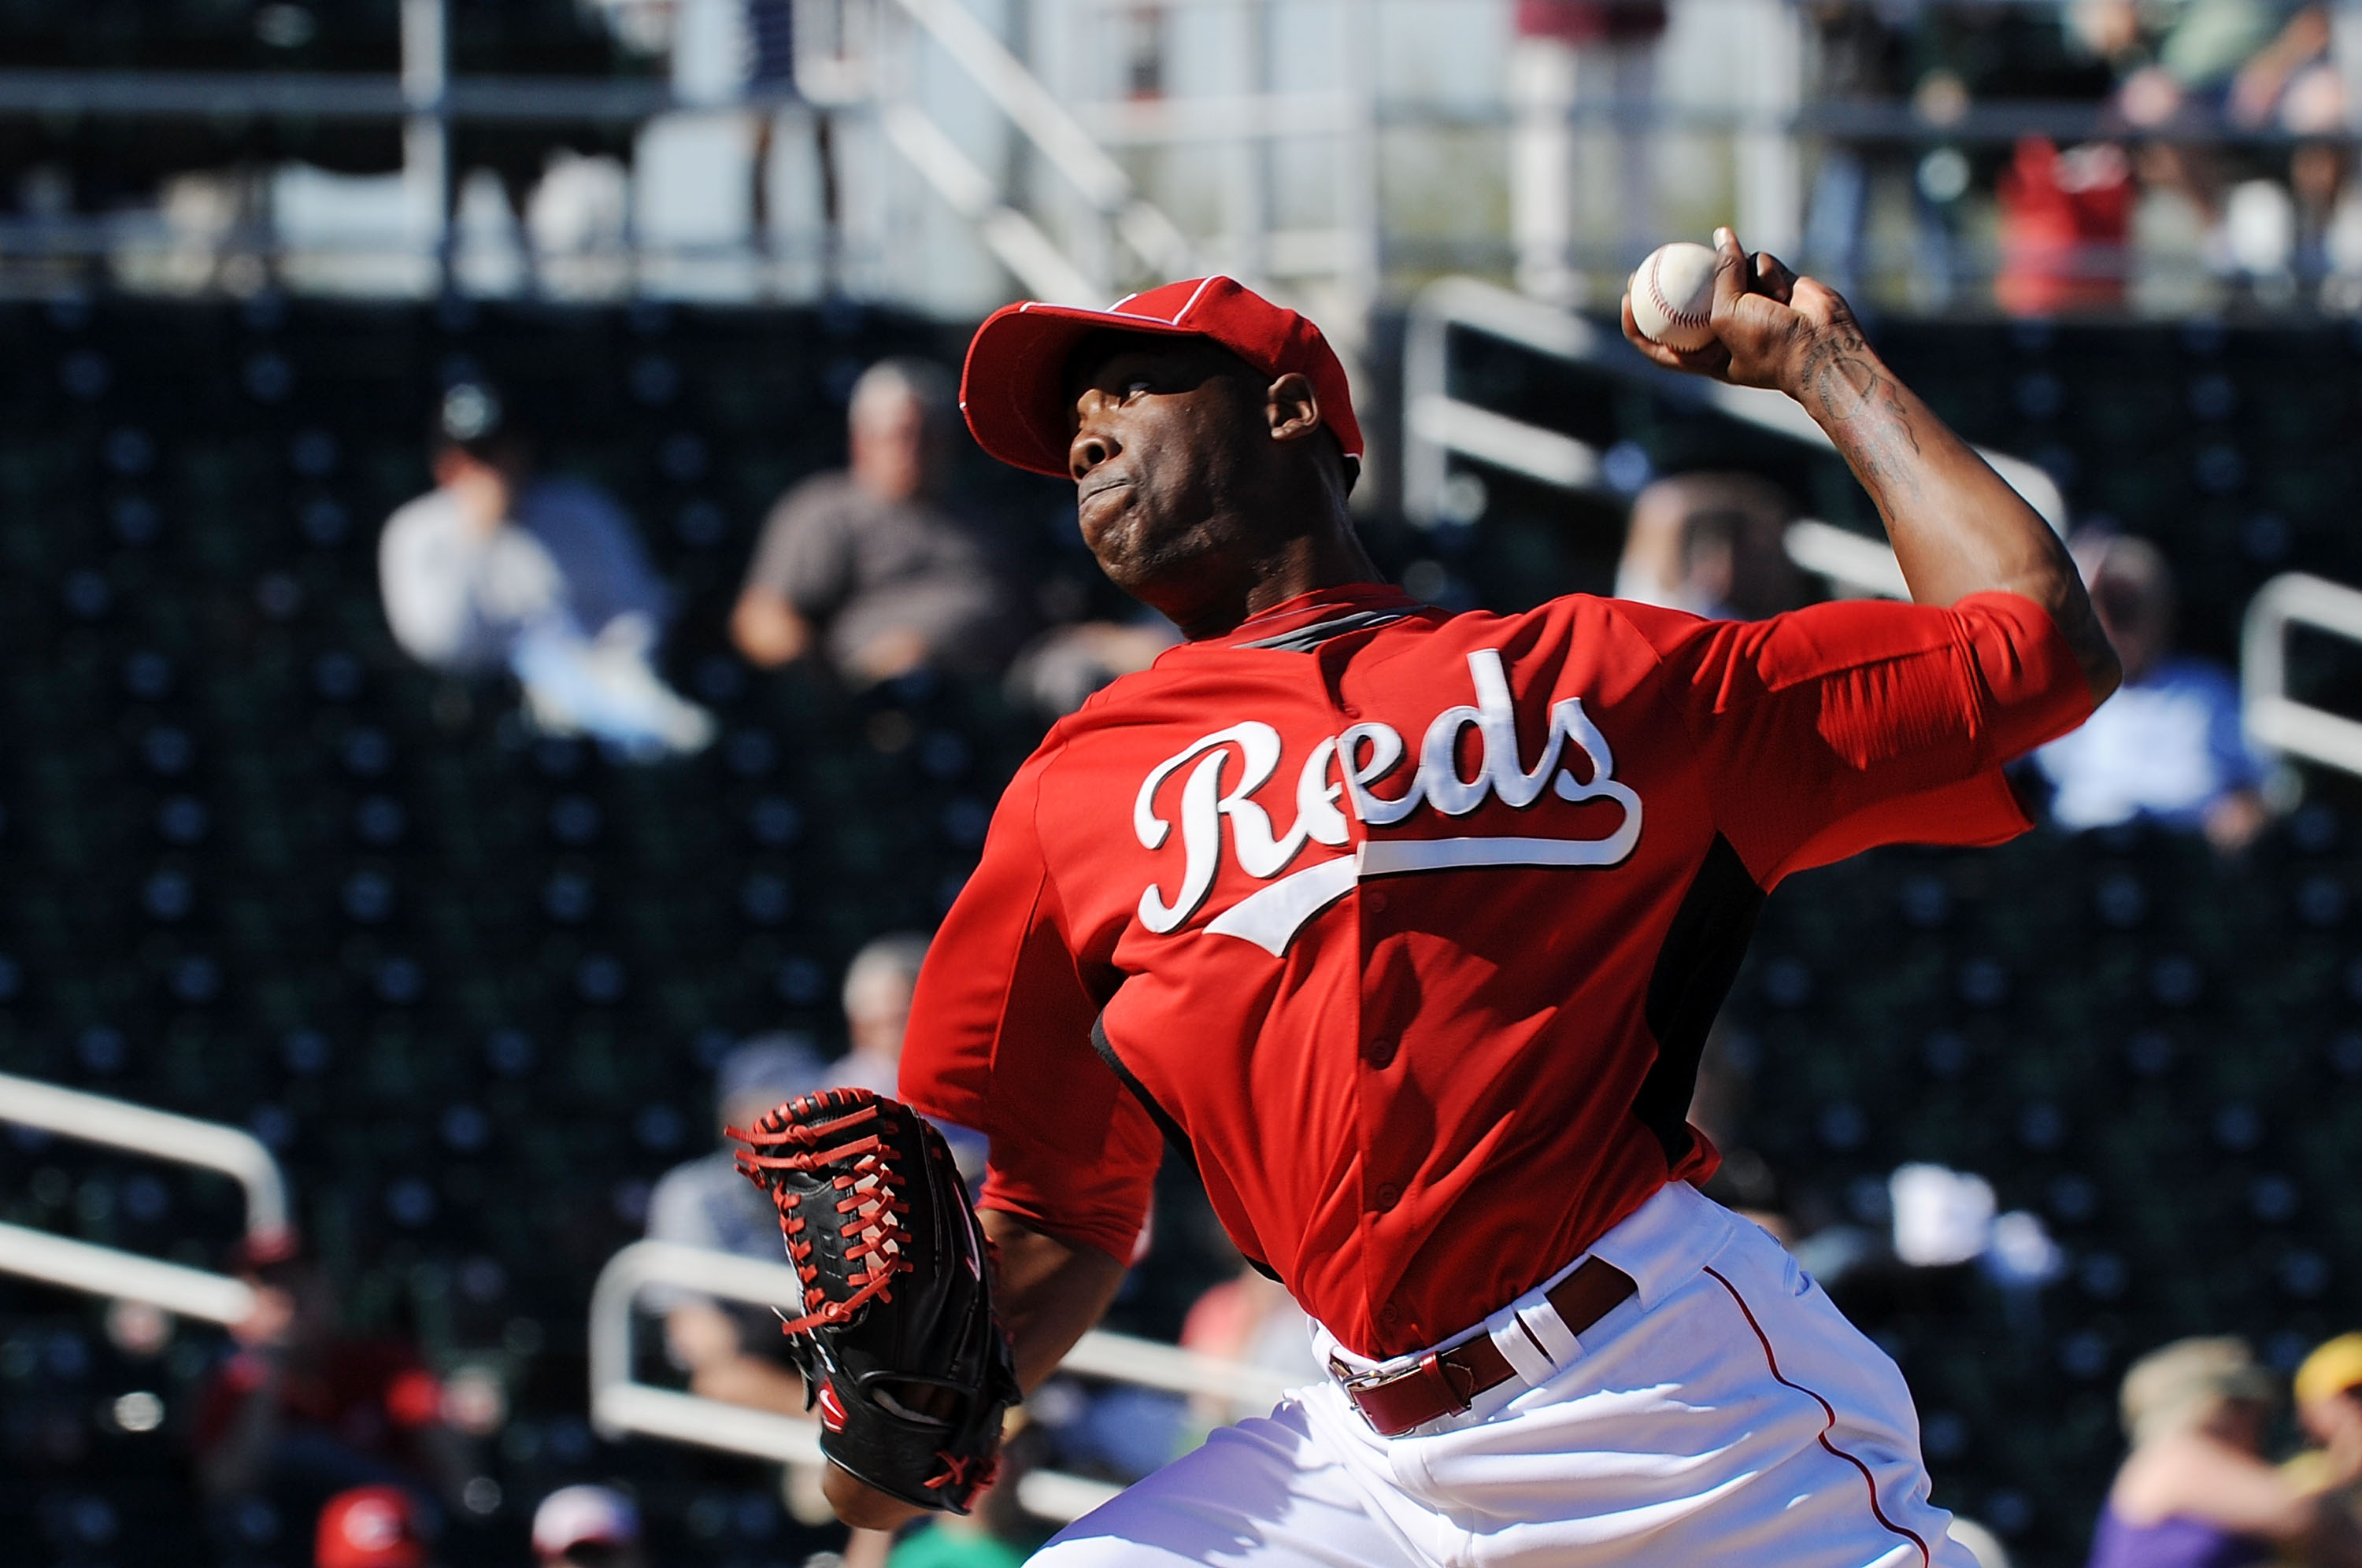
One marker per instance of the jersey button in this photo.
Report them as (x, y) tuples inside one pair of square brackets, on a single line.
[(1389, 1313), (1388, 1196), (1375, 903), (1379, 1052)]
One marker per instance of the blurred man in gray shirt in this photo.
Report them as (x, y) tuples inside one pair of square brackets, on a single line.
[(867, 567)]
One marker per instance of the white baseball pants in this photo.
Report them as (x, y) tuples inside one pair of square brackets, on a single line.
[(1725, 1413)]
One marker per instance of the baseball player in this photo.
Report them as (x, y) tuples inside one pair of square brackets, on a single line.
[(1407, 927)]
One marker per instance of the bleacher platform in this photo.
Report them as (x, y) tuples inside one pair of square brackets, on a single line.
[(256, 867)]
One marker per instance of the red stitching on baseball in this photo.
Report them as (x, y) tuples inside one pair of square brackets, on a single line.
[(1657, 293)]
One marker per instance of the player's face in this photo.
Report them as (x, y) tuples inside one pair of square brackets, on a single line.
[(1166, 435)]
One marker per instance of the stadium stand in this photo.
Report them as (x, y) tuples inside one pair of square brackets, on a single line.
[(255, 866), (110, 164)]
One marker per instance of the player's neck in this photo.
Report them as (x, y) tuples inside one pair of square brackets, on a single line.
[(1329, 557)]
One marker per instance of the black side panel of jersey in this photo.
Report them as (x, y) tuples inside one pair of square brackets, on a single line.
[(1175, 1138), (1695, 968)]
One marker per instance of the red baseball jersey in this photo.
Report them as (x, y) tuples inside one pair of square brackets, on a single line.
[(1408, 926)]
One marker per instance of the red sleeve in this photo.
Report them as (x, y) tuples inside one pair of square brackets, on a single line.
[(999, 1040), (1836, 728)]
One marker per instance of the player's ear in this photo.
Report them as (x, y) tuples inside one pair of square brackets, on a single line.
[(1292, 407)]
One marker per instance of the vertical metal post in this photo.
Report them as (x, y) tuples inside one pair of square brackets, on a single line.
[(1361, 215), (1365, 216), (1075, 49), (426, 134), (1769, 164), (1248, 191)]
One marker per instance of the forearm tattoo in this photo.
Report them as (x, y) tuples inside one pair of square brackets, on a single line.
[(1862, 409)]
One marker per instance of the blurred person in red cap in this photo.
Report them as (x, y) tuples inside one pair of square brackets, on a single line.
[(302, 1410), (1407, 927), (370, 1527), (587, 1526)]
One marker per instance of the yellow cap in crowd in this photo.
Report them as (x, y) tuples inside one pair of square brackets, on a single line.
[(2332, 1369)]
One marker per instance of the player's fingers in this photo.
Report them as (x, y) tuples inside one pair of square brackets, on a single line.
[(1774, 277), (1729, 271), (1654, 349), (1815, 301), (1708, 360), (1632, 330), (1714, 360)]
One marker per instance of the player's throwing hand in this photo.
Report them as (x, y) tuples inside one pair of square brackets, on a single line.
[(1767, 322)]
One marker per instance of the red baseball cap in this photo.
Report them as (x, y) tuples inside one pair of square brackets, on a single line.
[(370, 1527), (1014, 389)]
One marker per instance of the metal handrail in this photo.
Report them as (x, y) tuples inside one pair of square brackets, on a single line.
[(1053, 128), (2275, 720), (1437, 424), (1016, 241), (620, 1404), (1854, 563), (160, 1135), (124, 1276)]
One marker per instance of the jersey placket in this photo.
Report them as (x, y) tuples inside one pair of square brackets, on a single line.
[(1385, 1163)]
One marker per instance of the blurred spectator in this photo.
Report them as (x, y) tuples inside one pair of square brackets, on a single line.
[(1859, 57), (1250, 1317), (301, 1412), (736, 1354), (2065, 221), (497, 568), (877, 987), (1061, 669), (953, 1540), (721, 51), (2168, 748), (1711, 544), (2195, 1491), (770, 56), (998, 1533), (587, 1526), (370, 1527), (732, 1355), (867, 566), (2204, 66), (1567, 180), (2186, 59), (2329, 1407), (1944, 61)]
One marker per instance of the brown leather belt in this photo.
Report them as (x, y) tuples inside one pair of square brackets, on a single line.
[(1448, 1382)]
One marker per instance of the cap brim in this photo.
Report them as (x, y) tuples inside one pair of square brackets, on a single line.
[(1012, 389)]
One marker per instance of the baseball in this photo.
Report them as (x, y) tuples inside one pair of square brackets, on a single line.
[(1672, 296)]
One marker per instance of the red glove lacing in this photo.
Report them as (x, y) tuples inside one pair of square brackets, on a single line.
[(871, 1196), (965, 1475)]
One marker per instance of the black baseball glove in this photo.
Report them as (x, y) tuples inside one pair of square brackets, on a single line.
[(895, 1335)]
